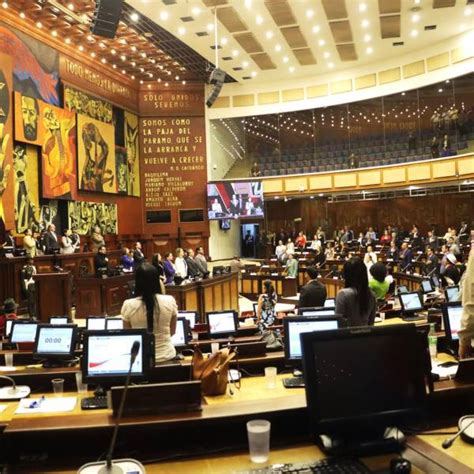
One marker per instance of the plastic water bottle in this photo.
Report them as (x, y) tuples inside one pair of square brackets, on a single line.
[(433, 342)]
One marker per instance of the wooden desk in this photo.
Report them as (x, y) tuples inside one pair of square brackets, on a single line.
[(53, 295), (252, 285)]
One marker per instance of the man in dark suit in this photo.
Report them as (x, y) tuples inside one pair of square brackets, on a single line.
[(193, 268), (138, 256), (51, 240), (9, 240), (314, 293)]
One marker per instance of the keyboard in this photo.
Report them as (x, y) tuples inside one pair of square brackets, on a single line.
[(293, 382), (324, 466), (94, 403)]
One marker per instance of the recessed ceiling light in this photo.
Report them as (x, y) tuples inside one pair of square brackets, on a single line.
[(224, 41), (54, 33), (71, 6), (369, 50), (417, 2), (195, 11), (362, 7), (316, 29), (414, 33), (235, 52), (134, 16), (176, 78), (141, 81), (365, 23), (278, 48), (309, 13), (468, 11), (114, 66), (210, 26), (327, 54), (181, 30), (415, 18), (5, 5), (245, 64), (81, 48), (184, 83), (93, 54), (321, 42), (291, 69), (403, 93), (254, 73), (367, 38), (259, 20), (285, 59), (39, 24), (164, 15), (22, 15), (68, 41), (166, 84), (330, 65), (248, 3), (103, 60), (123, 57), (134, 48), (269, 34)]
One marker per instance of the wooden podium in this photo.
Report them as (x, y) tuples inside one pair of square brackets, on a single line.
[(53, 295)]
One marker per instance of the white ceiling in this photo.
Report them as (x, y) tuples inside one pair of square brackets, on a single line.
[(353, 22)]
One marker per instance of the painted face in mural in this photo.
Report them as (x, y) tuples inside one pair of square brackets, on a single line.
[(29, 114)]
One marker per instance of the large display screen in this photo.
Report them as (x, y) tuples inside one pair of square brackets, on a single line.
[(227, 200)]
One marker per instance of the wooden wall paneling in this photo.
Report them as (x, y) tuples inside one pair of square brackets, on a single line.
[(87, 299), (226, 300), (218, 297)]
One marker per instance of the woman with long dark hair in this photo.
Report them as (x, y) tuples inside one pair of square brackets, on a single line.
[(152, 310), (356, 303), (266, 306)]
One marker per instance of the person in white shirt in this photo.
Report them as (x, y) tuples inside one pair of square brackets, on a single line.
[(280, 250), (216, 206), (290, 247), (180, 264), (316, 244), (370, 257), (249, 206), (152, 310), (67, 246)]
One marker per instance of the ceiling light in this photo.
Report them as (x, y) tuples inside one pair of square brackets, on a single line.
[(141, 81), (417, 2), (71, 6), (210, 26), (414, 33), (327, 54), (93, 54), (133, 63), (369, 50), (235, 52), (103, 60), (269, 34), (415, 18), (143, 54), (184, 83), (330, 65), (254, 73), (176, 78), (291, 69), (248, 3), (81, 48), (362, 7), (224, 41), (321, 42), (54, 33), (134, 49), (164, 15), (150, 74), (38, 24), (365, 23), (123, 57), (259, 20), (166, 84), (90, 38), (440, 90), (68, 41), (309, 13), (195, 11), (245, 64), (278, 48), (468, 11), (142, 69), (181, 30), (5, 5), (285, 59), (134, 16), (367, 38), (114, 66), (316, 29), (159, 79), (22, 15)]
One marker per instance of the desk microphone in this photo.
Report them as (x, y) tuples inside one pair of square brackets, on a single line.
[(15, 392), (120, 466), (464, 423)]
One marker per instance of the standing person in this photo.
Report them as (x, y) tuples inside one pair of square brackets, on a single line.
[(291, 268), (466, 332), (255, 170), (405, 257), (157, 262), (266, 306), (169, 269), (445, 146), (234, 208), (51, 240), (432, 262), (101, 262), (237, 266), (138, 256), (180, 265), (393, 251), (66, 243), (353, 161), (300, 241), (126, 260), (314, 293), (9, 240), (152, 310), (435, 147), (193, 268), (28, 285), (370, 257), (379, 281), (201, 261), (355, 302), (76, 240), (29, 244), (280, 251), (97, 239)]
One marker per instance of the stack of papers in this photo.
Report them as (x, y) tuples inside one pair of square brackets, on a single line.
[(444, 373), (46, 405)]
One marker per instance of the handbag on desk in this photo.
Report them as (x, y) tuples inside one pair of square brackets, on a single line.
[(213, 371), (272, 340)]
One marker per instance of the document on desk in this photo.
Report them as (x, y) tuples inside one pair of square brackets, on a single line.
[(444, 373), (46, 405), (2, 408)]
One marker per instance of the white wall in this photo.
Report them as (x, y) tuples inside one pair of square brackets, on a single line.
[(224, 244)]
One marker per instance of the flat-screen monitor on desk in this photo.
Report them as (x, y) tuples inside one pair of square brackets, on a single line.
[(55, 343), (320, 312), (330, 303), (59, 320), (452, 314), (114, 323), (222, 323), (452, 294), (411, 303), (401, 289), (191, 316), (23, 331), (427, 286), (181, 336), (349, 396), (95, 323)]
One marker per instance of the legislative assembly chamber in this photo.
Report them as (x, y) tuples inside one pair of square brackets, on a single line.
[(236, 236)]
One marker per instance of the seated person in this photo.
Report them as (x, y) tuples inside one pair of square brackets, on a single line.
[(379, 282), (101, 261), (152, 310), (314, 293), (451, 272), (291, 267), (9, 312), (356, 303)]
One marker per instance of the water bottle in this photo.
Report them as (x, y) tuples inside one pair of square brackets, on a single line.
[(433, 341)]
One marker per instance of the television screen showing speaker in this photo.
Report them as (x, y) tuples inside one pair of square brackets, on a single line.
[(226, 200)]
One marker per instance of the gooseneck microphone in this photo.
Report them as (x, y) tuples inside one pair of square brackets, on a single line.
[(109, 468), (447, 443)]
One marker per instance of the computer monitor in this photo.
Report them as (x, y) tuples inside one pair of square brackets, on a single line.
[(191, 316), (359, 381), (222, 323), (23, 331), (452, 314), (59, 320), (453, 294), (55, 343), (181, 336), (427, 286), (330, 303), (114, 323), (294, 326), (411, 302), (106, 356), (321, 312), (402, 289), (95, 323)]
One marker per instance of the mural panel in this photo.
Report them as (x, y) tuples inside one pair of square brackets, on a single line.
[(96, 155), (122, 170), (84, 216), (86, 104), (133, 158)]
